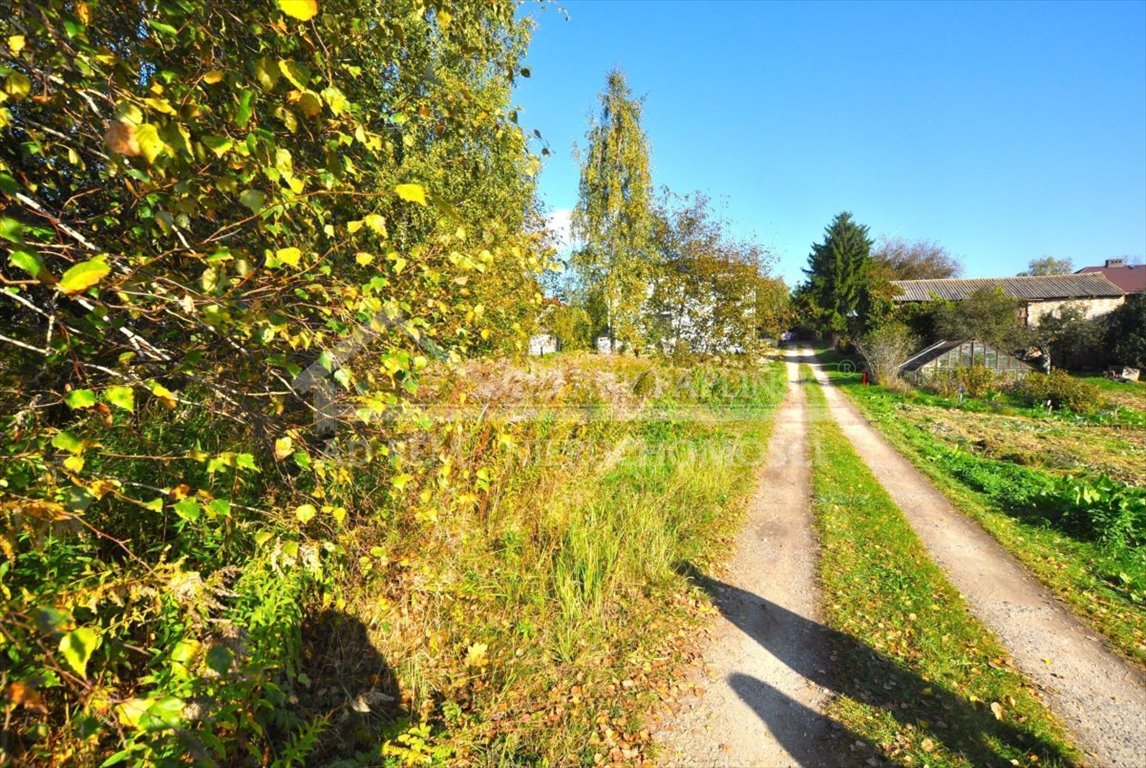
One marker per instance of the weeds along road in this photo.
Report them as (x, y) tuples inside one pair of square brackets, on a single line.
[(758, 705), (1101, 697)]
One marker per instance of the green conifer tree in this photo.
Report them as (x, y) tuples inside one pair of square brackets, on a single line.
[(838, 274)]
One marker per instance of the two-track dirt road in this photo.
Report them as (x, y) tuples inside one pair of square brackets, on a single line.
[(765, 669)]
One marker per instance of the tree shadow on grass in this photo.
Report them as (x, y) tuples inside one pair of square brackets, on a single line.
[(350, 684), (858, 671)]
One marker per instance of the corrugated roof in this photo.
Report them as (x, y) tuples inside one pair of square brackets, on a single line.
[(1085, 286)]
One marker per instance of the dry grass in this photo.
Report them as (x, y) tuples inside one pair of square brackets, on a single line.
[(542, 620)]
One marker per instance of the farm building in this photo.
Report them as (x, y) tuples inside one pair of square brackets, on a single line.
[(1129, 277), (944, 356), (1039, 295)]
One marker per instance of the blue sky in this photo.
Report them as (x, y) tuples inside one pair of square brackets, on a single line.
[(1004, 131)]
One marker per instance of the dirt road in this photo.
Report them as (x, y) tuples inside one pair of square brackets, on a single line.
[(759, 707), (1101, 697)]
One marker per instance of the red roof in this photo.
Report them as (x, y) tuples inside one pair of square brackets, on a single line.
[(1130, 278)]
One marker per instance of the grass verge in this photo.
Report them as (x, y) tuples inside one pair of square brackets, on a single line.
[(1104, 584), (917, 674), (542, 625)]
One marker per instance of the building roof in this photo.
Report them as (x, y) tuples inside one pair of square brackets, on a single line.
[(1034, 288), (1129, 277)]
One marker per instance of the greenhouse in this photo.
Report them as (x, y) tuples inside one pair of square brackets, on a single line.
[(945, 356)]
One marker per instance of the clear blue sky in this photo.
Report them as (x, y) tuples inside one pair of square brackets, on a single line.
[(1004, 131)]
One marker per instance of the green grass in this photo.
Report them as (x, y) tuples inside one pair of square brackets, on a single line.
[(917, 675), (1104, 583), (567, 574), (1130, 393)]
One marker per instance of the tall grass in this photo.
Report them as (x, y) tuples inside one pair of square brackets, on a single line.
[(564, 571)]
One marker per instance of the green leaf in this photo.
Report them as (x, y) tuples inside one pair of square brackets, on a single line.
[(80, 398), (77, 647), (66, 441), (334, 99), (188, 509), (296, 73), (150, 144), (17, 85), (246, 461), (219, 659), (266, 73), (159, 26), (121, 397), (84, 275), (163, 714), (10, 230), (29, 262), (303, 10), (253, 199), (8, 184), (246, 105), (220, 145), (412, 193), (219, 508)]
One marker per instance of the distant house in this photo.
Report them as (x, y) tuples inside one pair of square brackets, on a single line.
[(944, 356), (1131, 278), (1038, 295), (541, 344)]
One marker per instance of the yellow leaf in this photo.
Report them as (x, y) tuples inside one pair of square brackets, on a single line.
[(303, 10), (164, 395), (74, 463), (83, 276), (354, 226), (309, 103), (376, 223), (444, 18), (305, 513), (212, 77), (997, 710), (476, 655), (161, 105), (288, 256), (283, 447), (16, 44), (928, 745), (132, 711), (412, 193), (147, 137), (363, 258)]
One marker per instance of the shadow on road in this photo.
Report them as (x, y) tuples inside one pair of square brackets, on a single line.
[(854, 669)]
